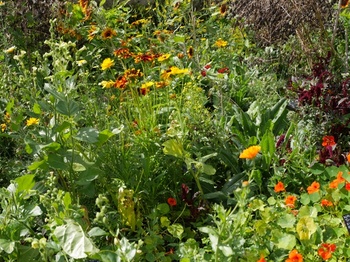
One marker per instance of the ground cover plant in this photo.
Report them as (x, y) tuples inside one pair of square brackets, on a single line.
[(166, 132)]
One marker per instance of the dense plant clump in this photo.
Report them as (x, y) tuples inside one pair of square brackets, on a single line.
[(164, 132)]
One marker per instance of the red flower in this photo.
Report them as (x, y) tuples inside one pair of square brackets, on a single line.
[(326, 203), (326, 250), (347, 186), (262, 259), (172, 201), (328, 141), (223, 70)]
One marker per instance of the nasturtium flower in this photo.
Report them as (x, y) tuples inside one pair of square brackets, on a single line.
[(250, 153), (328, 141), (294, 256), (279, 187), (326, 203), (3, 127), (290, 201), (220, 43), (107, 84), (108, 33), (347, 186), (313, 188), (334, 184), (32, 121), (107, 63), (348, 157), (262, 259), (172, 201), (326, 250)]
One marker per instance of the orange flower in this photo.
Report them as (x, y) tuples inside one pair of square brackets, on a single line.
[(328, 141), (279, 187), (326, 250), (348, 157), (334, 184), (250, 152), (290, 200), (313, 188), (121, 82), (294, 256), (262, 259), (122, 53), (172, 201), (326, 203)]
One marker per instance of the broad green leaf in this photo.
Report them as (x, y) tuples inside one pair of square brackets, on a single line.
[(56, 161), (205, 158), (208, 170), (174, 148), (54, 146), (35, 165), (226, 250), (286, 221), (73, 240), (306, 227), (179, 38), (308, 211), (36, 211), (97, 232), (286, 241), (88, 134), (25, 182), (67, 200), (7, 245), (67, 108), (163, 208), (268, 144), (77, 167), (103, 136), (176, 230), (37, 109), (165, 222)]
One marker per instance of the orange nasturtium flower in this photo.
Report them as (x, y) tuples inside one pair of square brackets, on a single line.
[(347, 186), (279, 187), (326, 203), (348, 157), (313, 188), (262, 259), (294, 256), (172, 201), (290, 201), (334, 184), (328, 141), (326, 250), (250, 152)]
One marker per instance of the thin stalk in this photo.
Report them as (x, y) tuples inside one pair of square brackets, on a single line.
[(335, 27)]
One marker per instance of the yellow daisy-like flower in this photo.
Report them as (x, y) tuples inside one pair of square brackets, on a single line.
[(32, 121), (92, 32), (107, 63), (250, 153), (173, 71), (147, 84), (107, 84), (220, 43), (3, 126), (108, 33), (10, 50), (81, 62), (163, 57)]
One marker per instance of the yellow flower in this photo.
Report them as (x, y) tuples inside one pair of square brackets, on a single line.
[(220, 43), (108, 33), (81, 62), (173, 71), (147, 84), (3, 127), (92, 32), (107, 84), (32, 121), (10, 50), (250, 152), (2, 3), (163, 57), (107, 63)]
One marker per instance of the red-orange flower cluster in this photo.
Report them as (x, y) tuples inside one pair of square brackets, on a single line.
[(290, 201), (326, 203), (334, 184), (172, 201), (328, 141), (326, 250)]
